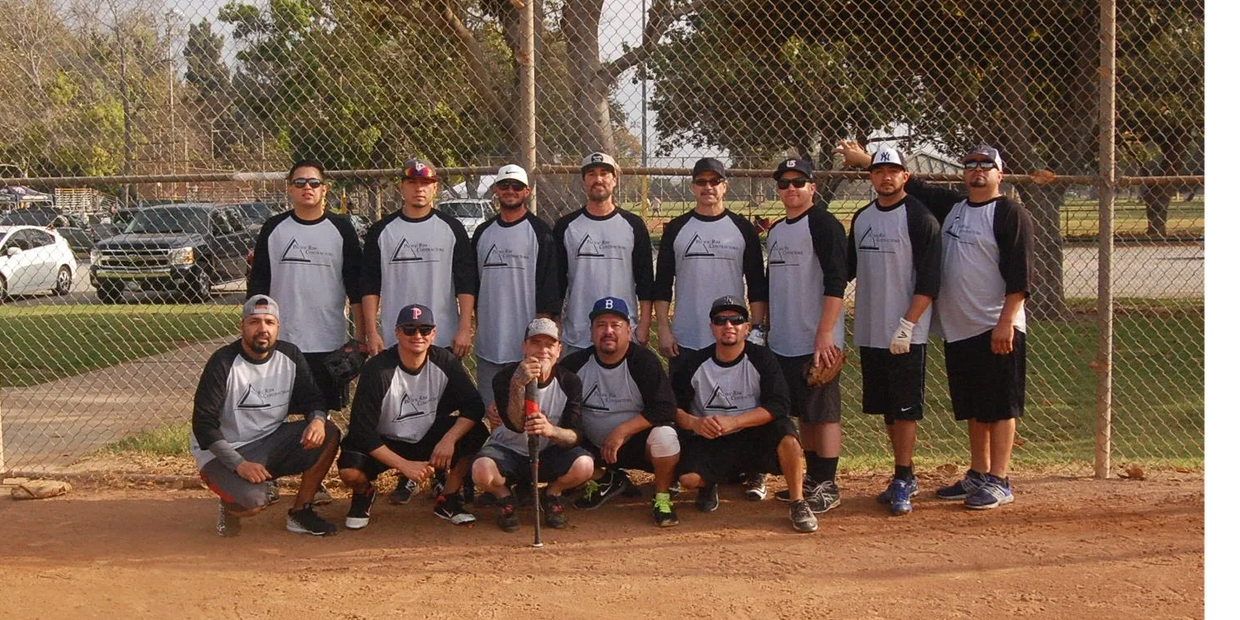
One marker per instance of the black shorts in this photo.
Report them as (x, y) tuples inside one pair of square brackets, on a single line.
[(894, 386), (674, 364), (984, 386), (335, 393), (553, 462), (632, 455), (724, 458), (352, 457), (280, 452), (817, 405)]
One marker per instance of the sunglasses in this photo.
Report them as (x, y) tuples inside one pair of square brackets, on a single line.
[(424, 330), (514, 186), (982, 165), (715, 182), (312, 183), (724, 320), (797, 183)]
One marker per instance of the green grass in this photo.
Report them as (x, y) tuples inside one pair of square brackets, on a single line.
[(44, 343), (170, 440)]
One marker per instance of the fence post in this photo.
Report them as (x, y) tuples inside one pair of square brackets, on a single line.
[(528, 122), (1106, 239)]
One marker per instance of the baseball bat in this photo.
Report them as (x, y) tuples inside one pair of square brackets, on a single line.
[(531, 407)]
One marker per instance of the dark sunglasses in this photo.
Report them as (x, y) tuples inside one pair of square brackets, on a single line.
[(724, 320), (300, 183), (515, 186), (715, 182), (797, 183), (424, 330), (984, 165)]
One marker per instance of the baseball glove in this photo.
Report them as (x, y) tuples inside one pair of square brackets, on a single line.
[(346, 362), (821, 375)]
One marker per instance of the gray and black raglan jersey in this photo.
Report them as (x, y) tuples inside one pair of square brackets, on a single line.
[(987, 255), (240, 400), (427, 260), (517, 280), (807, 259), (707, 257), (600, 257), (894, 253), (311, 268), (612, 395), (705, 386), (559, 399), (396, 402)]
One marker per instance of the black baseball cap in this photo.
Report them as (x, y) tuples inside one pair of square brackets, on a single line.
[(418, 169), (415, 314), (729, 302), (709, 164), (804, 166)]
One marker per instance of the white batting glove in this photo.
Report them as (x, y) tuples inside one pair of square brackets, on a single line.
[(903, 338), (757, 335)]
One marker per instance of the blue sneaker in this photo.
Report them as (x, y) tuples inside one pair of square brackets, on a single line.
[(885, 496), (995, 493), (964, 487), (900, 491)]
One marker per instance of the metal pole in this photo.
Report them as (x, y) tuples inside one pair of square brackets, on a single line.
[(528, 121), (642, 73), (1106, 240)]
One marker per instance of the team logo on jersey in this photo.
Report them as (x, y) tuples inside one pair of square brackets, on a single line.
[(408, 409), (294, 253), (697, 248), (953, 229), (252, 399), (494, 258), (594, 400), (869, 241), (776, 254), (589, 248), (414, 252), (719, 401)]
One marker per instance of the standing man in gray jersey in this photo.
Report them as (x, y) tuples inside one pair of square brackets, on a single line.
[(987, 267), (604, 251), (894, 252), (808, 271)]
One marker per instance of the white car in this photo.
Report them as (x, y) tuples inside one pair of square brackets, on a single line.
[(33, 259), (471, 212)]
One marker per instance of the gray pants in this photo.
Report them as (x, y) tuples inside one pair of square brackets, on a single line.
[(486, 377), (280, 452)]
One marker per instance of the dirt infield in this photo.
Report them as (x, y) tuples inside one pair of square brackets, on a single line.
[(1066, 548)]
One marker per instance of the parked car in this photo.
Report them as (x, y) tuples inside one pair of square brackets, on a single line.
[(259, 212), (183, 249), (472, 212), (33, 258), (80, 235)]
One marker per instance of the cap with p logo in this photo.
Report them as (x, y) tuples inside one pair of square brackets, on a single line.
[(415, 314)]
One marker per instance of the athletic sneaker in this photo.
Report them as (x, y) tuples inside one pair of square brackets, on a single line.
[(964, 487), (273, 492), (708, 498), (613, 482), (228, 524), (508, 520), (321, 497), (823, 497), (755, 487), (995, 493), (664, 513), (486, 500), (553, 506), (405, 490), (807, 487), (359, 509), (467, 490), (305, 521), (674, 490), (885, 496), (448, 506), (803, 519), (900, 492), (438, 483)]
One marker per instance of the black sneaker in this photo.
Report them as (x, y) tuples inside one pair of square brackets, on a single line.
[(448, 506), (807, 487), (438, 483), (554, 508), (273, 492), (321, 497), (227, 524), (823, 497), (803, 519), (597, 492), (305, 521), (359, 509), (664, 512), (486, 500), (405, 490), (467, 490), (755, 487), (508, 520), (708, 498)]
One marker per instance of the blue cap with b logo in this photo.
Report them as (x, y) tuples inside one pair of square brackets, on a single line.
[(610, 305)]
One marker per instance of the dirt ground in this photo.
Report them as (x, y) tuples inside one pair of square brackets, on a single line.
[(1070, 548)]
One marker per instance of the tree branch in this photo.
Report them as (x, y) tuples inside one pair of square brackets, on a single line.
[(662, 14)]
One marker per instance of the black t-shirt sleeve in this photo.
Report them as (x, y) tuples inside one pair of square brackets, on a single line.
[(775, 397), (306, 398), (372, 263), (923, 233), (665, 274), (547, 297), (682, 381), (756, 282), (831, 247), (852, 246), (939, 200), (571, 384), (643, 259), (464, 261), (1014, 235), (259, 280), (351, 271), (460, 394), (561, 254), (500, 385), (574, 361), (372, 387), (210, 394), (654, 385)]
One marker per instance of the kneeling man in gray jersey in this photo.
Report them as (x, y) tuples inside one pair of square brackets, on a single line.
[(732, 404)]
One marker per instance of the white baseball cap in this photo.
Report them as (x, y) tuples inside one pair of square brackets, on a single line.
[(512, 172)]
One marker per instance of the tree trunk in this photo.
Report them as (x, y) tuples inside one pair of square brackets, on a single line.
[(1157, 198), (589, 86)]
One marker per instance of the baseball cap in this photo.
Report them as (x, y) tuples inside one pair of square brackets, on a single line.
[(887, 156), (709, 164), (984, 152), (415, 314), (798, 165), (260, 304), (542, 327), (418, 169), (599, 159), (512, 172), (610, 305), (729, 302)]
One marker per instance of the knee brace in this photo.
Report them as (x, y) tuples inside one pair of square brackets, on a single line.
[(663, 442)]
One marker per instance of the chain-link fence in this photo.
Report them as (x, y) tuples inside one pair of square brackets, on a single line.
[(111, 107)]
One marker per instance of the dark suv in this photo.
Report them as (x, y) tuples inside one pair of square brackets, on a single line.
[(183, 249)]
